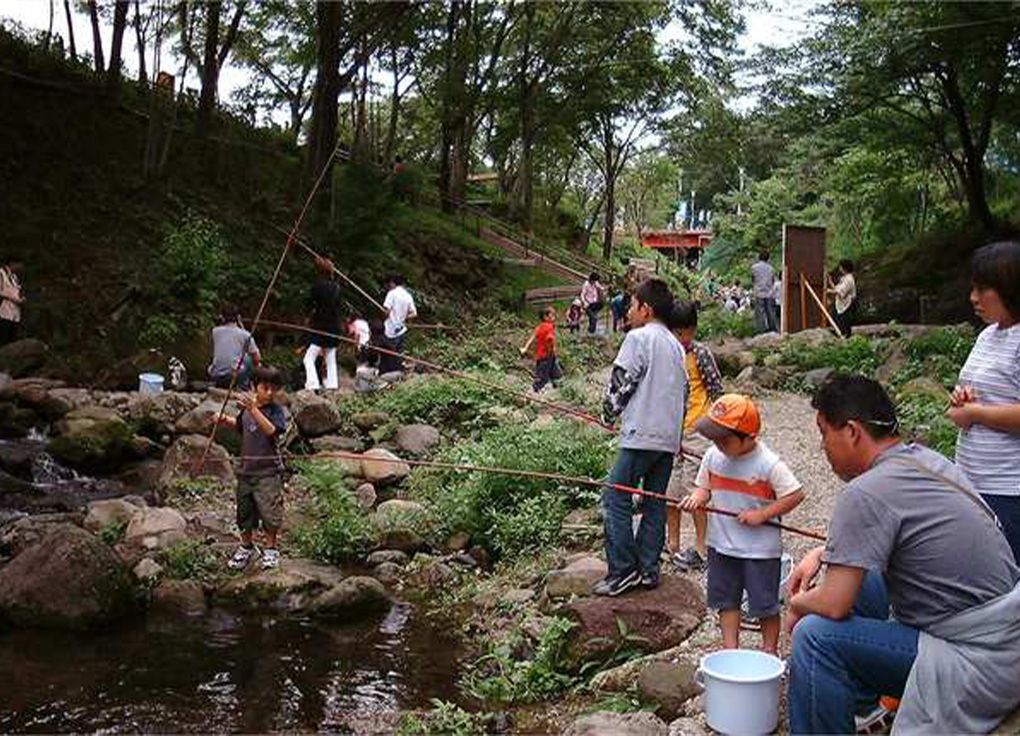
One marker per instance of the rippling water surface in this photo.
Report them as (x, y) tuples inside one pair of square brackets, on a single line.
[(222, 672)]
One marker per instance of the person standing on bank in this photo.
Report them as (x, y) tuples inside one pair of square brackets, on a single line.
[(909, 531), (324, 302), (985, 404), (592, 298), (11, 299), (845, 291), (762, 278), (399, 306)]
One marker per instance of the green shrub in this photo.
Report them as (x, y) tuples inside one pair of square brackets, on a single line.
[(190, 265), (939, 354), (112, 533), (716, 322), (441, 400), (501, 677), (189, 560), (855, 355), (340, 530), (496, 508), (924, 419), (444, 718)]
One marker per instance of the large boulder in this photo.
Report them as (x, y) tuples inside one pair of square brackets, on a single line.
[(39, 394), (157, 414), (293, 586), (200, 419), (366, 421), (184, 460), (67, 579), (92, 437), (23, 357), (608, 723), (816, 377), (577, 578), (17, 421), (658, 619), (316, 416), (382, 468), (417, 439), (353, 596), (337, 444), (670, 685)]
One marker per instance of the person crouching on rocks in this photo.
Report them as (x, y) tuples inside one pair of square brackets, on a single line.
[(260, 485)]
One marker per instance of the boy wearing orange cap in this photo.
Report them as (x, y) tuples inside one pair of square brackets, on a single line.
[(740, 474)]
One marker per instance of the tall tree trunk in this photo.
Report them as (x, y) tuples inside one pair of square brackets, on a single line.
[(143, 74), (113, 75), (70, 29), (49, 30), (97, 39), (527, 103), (450, 105), (322, 139), (389, 153), (210, 69), (609, 218)]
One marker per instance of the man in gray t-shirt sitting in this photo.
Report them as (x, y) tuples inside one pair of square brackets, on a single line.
[(907, 533), (230, 342)]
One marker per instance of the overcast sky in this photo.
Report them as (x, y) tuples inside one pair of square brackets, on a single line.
[(784, 22)]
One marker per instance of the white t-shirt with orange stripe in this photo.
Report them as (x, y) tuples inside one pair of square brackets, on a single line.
[(744, 483)]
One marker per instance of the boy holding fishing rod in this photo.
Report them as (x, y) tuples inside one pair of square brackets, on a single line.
[(260, 478), (740, 474), (646, 391)]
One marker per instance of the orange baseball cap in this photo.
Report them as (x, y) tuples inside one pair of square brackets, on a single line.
[(730, 413)]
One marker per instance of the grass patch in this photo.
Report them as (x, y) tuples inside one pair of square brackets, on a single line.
[(715, 322), (189, 560), (340, 530), (855, 355)]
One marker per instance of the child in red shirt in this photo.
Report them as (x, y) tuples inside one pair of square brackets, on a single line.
[(547, 369)]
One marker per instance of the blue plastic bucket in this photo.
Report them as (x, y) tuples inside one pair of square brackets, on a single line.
[(150, 383)]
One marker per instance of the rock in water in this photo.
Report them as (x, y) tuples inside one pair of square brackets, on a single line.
[(67, 579), (353, 596), (92, 437), (293, 586), (179, 596), (605, 723)]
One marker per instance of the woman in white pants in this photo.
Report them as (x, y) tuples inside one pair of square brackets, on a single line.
[(325, 307)]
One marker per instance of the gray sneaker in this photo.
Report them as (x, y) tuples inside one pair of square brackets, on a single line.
[(270, 558), (689, 560), (242, 556), (615, 586)]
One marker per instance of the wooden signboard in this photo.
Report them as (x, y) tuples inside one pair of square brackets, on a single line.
[(803, 254)]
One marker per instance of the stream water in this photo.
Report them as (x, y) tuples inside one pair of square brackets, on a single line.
[(222, 673)]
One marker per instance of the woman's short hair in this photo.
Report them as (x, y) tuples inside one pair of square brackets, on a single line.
[(997, 266), (847, 265)]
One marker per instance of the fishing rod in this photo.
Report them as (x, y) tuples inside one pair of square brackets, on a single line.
[(343, 455), (265, 297), (457, 374)]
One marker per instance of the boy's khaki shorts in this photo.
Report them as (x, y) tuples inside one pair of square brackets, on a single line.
[(260, 499), (685, 469)]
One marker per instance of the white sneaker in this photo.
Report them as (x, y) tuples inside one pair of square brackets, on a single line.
[(270, 558), (242, 556)]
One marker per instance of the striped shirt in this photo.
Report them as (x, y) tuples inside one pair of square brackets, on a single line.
[(991, 457), (744, 483)]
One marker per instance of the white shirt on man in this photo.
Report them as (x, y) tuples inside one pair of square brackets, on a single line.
[(400, 306)]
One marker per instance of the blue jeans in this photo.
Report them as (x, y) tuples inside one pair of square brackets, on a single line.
[(838, 665), (625, 553), (1007, 508), (765, 315)]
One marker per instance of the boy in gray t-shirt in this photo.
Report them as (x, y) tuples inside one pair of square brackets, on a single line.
[(646, 390)]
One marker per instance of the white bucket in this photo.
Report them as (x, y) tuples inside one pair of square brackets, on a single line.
[(150, 383), (741, 691)]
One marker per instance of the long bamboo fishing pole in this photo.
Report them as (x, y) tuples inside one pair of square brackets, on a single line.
[(265, 298), (821, 305), (457, 374), (578, 480)]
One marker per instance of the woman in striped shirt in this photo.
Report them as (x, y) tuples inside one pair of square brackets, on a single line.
[(986, 402)]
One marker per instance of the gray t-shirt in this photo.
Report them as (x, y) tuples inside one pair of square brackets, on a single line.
[(653, 418), (229, 343), (762, 276), (260, 453), (939, 552)]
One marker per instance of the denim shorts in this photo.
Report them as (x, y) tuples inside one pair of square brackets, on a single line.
[(729, 577)]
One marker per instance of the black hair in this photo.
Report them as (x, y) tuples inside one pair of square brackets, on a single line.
[(997, 266), (269, 375), (655, 293), (842, 398), (395, 278), (685, 314), (847, 265), (763, 255), (593, 276), (229, 313), (545, 311)]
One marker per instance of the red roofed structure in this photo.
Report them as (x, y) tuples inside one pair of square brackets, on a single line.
[(678, 244)]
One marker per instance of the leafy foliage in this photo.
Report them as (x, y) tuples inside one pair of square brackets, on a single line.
[(444, 718), (189, 560), (112, 533), (855, 355), (716, 322), (341, 530)]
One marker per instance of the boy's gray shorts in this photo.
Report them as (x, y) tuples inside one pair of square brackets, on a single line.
[(260, 499), (729, 577)]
